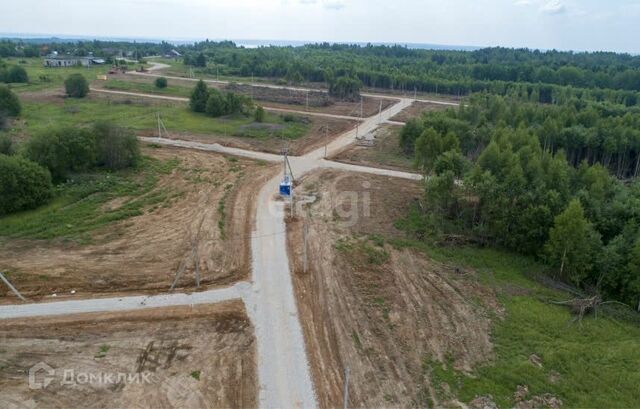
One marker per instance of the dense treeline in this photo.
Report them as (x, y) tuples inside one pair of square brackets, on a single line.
[(546, 77), (506, 173), (37, 48), (592, 132)]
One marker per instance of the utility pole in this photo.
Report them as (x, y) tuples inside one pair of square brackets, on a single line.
[(159, 131), (380, 113), (252, 87), (326, 139), (415, 93), (361, 107), (345, 404), (11, 287), (307, 100)]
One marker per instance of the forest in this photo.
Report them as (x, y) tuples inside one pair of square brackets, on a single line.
[(557, 182)]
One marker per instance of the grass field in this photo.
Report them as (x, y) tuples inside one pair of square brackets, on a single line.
[(41, 77), (149, 87), (40, 116), (587, 365), (78, 206)]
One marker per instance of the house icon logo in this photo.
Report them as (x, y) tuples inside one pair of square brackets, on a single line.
[(40, 382)]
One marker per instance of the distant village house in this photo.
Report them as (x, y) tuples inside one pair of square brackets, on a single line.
[(56, 60)]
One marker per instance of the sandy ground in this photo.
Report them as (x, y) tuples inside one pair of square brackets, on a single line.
[(143, 253), (385, 153), (379, 310), (418, 108), (185, 357)]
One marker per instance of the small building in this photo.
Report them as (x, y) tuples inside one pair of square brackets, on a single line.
[(55, 60), (172, 54)]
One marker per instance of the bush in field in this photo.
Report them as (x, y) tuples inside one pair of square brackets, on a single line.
[(6, 145), (216, 104), (116, 148), (161, 82), (63, 150), (23, 184), (199, 97), (76, 86), (17, 74), (9, 102), (220, 104), (259, 114)]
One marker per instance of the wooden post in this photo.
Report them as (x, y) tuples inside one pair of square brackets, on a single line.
[(305, 235)]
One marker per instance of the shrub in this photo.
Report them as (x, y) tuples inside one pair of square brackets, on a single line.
[(17, 74), (63, 150), (216, 104), (6, 145), (116, 148), (23, 184), (76, 86), (9, 102), (161, 82), (259, 115)]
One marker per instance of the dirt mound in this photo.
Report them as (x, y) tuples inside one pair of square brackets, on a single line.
[(382, 311)]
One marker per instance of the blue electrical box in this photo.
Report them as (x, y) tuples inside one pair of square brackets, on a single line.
[(285, 187)]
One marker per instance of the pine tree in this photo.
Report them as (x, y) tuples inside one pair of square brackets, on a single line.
[(199, 97)]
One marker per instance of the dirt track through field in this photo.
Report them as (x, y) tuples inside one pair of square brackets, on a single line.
[(283, 367)]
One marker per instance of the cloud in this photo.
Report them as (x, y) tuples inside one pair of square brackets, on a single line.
[(523, 2), (553, 7)]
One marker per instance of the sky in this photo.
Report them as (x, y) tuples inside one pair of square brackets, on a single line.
[(582, 25)]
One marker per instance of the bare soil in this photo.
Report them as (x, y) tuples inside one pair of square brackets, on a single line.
[(382, 311), (385, 153), (144, 253), (185, 357), (417, 108)]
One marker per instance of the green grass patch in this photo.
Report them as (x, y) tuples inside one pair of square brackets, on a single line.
[(195, 375), (41, 77), (148, 87), (40, 116), (81, 205), (102, 352), (587, 365)]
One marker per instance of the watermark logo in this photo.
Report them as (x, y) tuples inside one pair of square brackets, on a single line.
[(40, 375)]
